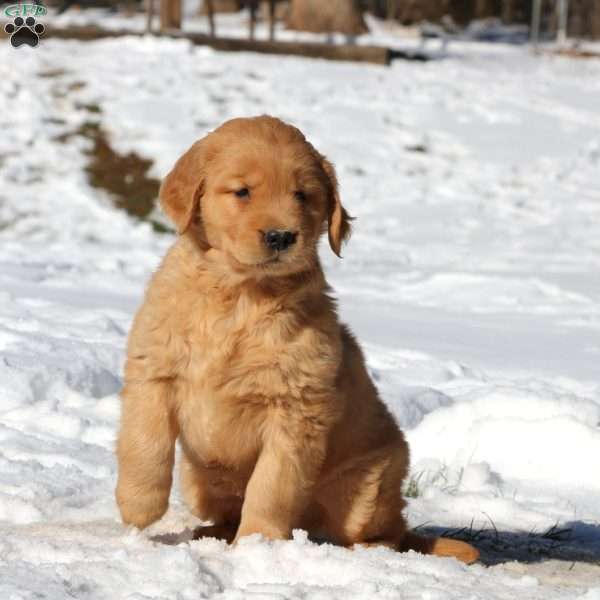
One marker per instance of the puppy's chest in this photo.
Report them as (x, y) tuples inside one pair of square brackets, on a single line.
[(244, 365), (238, 347), (217, 432), (230, 380), (212, 347)]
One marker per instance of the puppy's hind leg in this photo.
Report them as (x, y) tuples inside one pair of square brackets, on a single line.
[(362, 500), (364, 507), (387, 526)]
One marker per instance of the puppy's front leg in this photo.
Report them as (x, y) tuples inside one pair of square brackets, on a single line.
[(282, 482), (145, 450)]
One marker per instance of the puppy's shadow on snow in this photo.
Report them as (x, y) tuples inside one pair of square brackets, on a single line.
[(576, 541), (220, 532), (173, 539)]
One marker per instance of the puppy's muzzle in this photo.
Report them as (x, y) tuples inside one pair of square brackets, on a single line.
[(278, 239)]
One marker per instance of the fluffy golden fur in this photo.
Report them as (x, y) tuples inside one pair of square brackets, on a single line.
[(237, 351)]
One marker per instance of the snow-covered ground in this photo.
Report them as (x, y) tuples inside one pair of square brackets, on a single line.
[(472, 281)]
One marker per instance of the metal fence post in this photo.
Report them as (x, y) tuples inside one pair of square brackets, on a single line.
[(563, 11)]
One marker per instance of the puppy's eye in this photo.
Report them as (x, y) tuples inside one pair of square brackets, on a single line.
[(242, 193), (300, 196)]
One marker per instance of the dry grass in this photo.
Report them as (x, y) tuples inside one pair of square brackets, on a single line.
[(576, 53)]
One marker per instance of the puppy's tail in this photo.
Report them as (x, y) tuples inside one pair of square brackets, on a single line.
[(439, 547)]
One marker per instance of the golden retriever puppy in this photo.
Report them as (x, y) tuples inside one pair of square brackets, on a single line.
[(237, 351)]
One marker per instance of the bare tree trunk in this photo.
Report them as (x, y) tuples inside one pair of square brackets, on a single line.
[(391, 10), (210, 13), (407, 11), (222, 6), (595, 19), (319, 16), (252, 6), (415, 11), (535, 22), (150, 16), (508, 11), (482, 9), (562, 8), (170, 14), (271, 20)]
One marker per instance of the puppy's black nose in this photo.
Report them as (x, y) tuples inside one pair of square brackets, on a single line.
[(278, 239)]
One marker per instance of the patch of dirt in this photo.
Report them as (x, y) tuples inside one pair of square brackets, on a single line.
[(124, 176), (53, 73), (92, 108)]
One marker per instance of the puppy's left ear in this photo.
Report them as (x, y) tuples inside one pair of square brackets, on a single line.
[(181, 189), (339, 228)]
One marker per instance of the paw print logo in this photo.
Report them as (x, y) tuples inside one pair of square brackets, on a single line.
[(24, 31)]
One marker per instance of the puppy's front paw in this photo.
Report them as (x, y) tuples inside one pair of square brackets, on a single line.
[(141, 510), (269, 531)]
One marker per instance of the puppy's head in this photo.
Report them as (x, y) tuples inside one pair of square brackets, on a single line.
[(258, 192)]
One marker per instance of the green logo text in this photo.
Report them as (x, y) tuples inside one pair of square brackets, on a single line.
[(25, 10)]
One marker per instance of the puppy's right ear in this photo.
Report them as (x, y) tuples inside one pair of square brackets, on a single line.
[(181, 189)]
